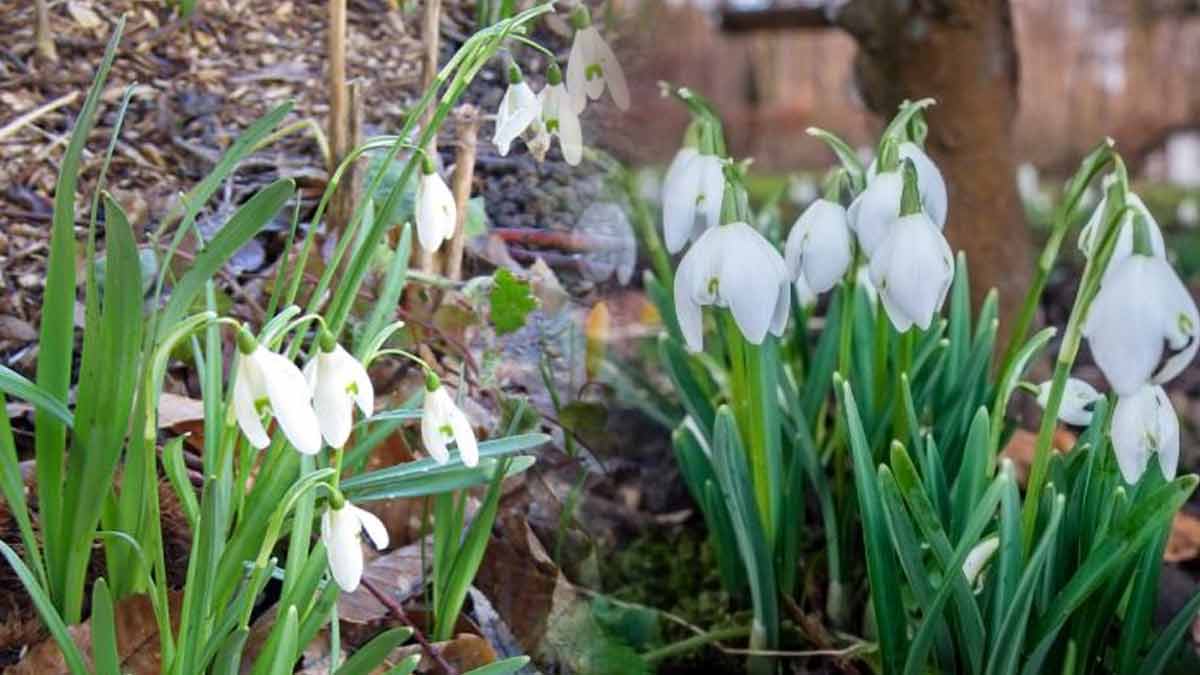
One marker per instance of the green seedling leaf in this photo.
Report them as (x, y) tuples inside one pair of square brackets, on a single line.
[(505, 667), (104, 631), (371, 655)]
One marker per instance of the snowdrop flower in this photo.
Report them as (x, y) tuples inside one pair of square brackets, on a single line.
[(559, 118), (978, 557), (437, 216), (818, 247), (442, 421), (591, 65), (1143, 324), (862, 279), (875, 209), (930, 183), (1078, 402), (1089, 236), (518, 109), (1143, 423), (341, 529), (338, 382), (736, 267), (912, 269), (266, 380), (693, 189)]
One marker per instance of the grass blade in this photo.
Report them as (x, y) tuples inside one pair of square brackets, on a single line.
[(371, 655), (104, 631)]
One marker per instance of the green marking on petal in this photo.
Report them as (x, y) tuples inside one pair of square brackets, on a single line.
[(1185, 324), (552, 125), (446, 430), (262, 405), (593, 72), (714, 284)]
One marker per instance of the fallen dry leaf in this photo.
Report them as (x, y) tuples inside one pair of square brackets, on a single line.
[(1184, 543), (137, 642), (1021, 446), (174, 410)]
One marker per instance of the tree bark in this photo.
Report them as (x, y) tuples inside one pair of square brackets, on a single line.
[(961, 53)]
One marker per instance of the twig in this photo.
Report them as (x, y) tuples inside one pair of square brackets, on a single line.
[(398, 611), (431, 36), (41, 32), (12, 127), (339, 103), (466, 119)]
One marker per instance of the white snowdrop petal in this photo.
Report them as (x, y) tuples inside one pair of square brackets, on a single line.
[(1078, 402), (344, 548), (687, 310), (805, 296), (978, 557), (1143, 423), (912, 269), (247, 389), (614, 76), (593, 83), (464, 438), (332, 404), (1181, 321), (681, 187), (712, 189), (433, 419), (819, 245), (1124, 331), (374, 527), (570, 134), (878, 207), (930, 184), (291, 400), (751, 273), (576, 74), (783, 306)]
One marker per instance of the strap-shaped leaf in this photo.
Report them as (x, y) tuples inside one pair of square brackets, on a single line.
[(371, 655)]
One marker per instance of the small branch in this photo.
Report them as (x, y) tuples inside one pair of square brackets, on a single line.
[(339, 104), (398, 611), (466, 119), (31, 116), (431, 36), (784, 18)]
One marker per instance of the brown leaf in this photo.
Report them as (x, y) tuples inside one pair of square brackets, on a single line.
[(1184, 543), (399, 572), (1021, 446), (137, 642), (174, 410)]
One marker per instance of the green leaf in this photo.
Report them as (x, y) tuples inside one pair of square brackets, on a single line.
[(511, 300), (677, 364), (15, 384), (108, 376), (1009, 636), (1168, 641), (972, 474), (428, 467), (504, 667), (890, 618), (406, 666), (371, 655), (12, 487), (284, 654), (56, 342), (229, 659), (104, 632), (176, 470), (50, 616), (246, 222)]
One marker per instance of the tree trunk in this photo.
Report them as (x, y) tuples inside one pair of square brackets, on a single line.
[(962, 54)]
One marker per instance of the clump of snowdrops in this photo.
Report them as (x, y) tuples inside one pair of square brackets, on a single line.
[(287, 434), (887, 416)]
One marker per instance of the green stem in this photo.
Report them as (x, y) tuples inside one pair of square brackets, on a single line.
[(695, 642)]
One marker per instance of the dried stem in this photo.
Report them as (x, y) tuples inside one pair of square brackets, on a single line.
[(398, 611), (41, 33), (466, 119), (431, 36)]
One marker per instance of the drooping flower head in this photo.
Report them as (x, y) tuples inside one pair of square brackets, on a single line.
[(930, 183), (591, 65), (268, 382), (338, 382), (693, 190), (1144, 423), (1078, 402), (912, 266), (442, 422), (1089, 236), (518, 109), (736, 267), (559, 117), (436, 213), (341, 531), (818, 248), (1142, 326)]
